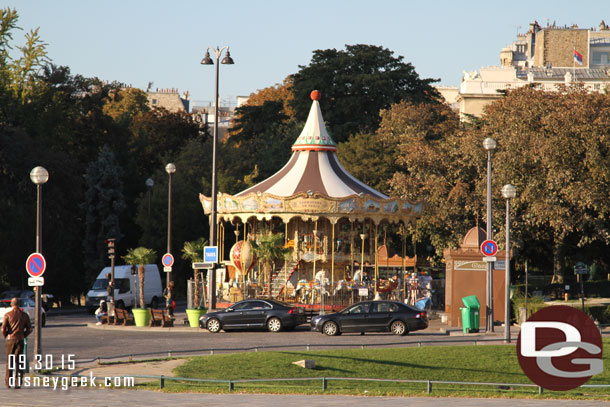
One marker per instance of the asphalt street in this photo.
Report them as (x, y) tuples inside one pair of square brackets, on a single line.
[(75, 334)]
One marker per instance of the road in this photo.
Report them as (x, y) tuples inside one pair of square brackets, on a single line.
[(69, 334)]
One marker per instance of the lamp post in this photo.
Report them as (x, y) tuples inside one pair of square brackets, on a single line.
[(38, 175), (227, 60), (489, 144), (149, 184), (170, 169), (508, 192)]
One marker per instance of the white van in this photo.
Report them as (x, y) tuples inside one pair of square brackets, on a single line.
[(126, 287)]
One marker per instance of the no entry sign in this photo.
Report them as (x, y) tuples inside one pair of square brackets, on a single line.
[(35, 265), (489, 248)]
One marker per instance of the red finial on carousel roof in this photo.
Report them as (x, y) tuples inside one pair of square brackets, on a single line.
[(315, 95)]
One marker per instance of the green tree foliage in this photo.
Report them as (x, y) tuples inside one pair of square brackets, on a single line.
[(438, 163), (104, 201), (369, 159), (554, 148), (139, 257), (356, 83)]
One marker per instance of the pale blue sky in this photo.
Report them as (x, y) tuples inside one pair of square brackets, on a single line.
[(161, 41)]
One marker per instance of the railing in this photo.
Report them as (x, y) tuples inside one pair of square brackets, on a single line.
[(230, 383)]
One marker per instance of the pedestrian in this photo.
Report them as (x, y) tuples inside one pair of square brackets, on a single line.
[(16, 326), (101, 311), (170, 302), (110, 289)]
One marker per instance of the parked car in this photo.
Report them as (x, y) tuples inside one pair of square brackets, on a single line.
[(372, 316), (271, 314), (28, 306), (46, 299)]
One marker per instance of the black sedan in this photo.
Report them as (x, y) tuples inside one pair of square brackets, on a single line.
[(372, 316), (254, 314)]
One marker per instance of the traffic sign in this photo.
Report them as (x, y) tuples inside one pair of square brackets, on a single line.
[(489, 248), (167, 260), (210, 254), (36, 281), (35, 265), (167, 269), (201, 266), (581, 268)]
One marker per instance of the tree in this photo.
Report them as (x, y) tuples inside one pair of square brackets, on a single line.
[(369, 159), (104, 201), (438, 163), (277, 93), (269, 248), (553, 147), (193, 252), (139, 257), (356, 83)]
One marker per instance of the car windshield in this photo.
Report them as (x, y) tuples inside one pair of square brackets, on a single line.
[(5, 304), (100, 284)]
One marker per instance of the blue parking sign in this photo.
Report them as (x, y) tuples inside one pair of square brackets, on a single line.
[(210, 254)]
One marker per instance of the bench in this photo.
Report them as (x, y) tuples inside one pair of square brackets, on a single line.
[(122, 317), (158, 317)]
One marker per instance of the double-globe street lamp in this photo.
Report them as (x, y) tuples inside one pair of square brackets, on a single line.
[(489, 144), (508, 192), (39, 176), (170, 169), (207, 60)]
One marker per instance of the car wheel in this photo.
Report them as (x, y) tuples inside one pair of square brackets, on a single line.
[(154, 303), (213, 325), (274, 324), (120, 304), (398, 328), (330, 328)]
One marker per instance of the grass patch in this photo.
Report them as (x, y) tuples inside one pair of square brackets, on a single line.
[(489, 363)]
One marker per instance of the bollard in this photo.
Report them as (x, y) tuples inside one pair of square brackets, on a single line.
[(231, 386), (161, 382), (540, 390), (307, 346), (429, 387), (324, 383), (211, 351), (419, 344), (256, 349), (169, 354)]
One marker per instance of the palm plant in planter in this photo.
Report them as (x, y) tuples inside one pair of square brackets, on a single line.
[(268, 249), (193, 251), (139, 257)]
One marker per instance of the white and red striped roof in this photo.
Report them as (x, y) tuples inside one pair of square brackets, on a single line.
[(314, 166)]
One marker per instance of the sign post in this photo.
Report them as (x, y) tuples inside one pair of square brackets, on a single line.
[(210, 256), (581, 268)]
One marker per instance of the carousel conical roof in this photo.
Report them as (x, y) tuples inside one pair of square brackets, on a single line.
[(314, 166)]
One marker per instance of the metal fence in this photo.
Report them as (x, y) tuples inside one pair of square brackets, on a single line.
[(324, 382)]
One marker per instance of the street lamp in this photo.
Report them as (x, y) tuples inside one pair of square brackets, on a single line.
[(38, 175), (149, 184), (508, 192), (227, 60), (489, 144), (170, 169)]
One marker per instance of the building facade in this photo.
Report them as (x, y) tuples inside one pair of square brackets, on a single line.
[(548, 56)]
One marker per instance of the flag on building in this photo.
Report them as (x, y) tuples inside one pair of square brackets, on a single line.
[(577, 57)]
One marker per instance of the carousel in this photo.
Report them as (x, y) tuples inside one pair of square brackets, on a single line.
[(331, 222)]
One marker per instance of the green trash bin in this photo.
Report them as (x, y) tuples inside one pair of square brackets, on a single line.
[(470, 314)]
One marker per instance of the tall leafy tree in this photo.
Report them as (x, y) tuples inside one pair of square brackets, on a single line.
[(356, 83), (104, 202)]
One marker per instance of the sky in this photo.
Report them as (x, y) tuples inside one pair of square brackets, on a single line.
[(137, 42)]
